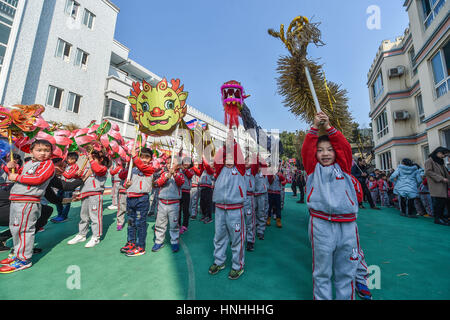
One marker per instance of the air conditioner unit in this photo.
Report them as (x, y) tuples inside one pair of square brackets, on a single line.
[(401, 115), (396, 72)]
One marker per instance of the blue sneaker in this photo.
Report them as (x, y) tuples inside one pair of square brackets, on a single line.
[(16, 265), (363, 291), (175, 247), (157, 247), (59, 219)]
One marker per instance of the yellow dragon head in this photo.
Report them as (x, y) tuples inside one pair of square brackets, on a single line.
[(158, 109)]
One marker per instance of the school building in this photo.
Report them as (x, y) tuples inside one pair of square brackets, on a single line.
[(409, 87)]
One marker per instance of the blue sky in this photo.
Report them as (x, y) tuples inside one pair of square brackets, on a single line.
[(208, 42)]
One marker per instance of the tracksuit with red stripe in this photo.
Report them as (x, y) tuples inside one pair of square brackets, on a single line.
[(114, 172), (261, 207), (249, 205), (229, 196), (91, 195), (195, 190), (168, 206), (122, 198), (25, 206), (138, 202), (276, 184), (333, 207)]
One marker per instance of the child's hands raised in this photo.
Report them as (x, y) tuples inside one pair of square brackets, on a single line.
[(321, 119)]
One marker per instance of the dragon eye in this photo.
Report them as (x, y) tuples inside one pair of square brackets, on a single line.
[(169, 104), (145, 106)]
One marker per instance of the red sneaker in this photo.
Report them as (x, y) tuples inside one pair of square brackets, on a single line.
[(129, 246), (137, 251), (7, 261)]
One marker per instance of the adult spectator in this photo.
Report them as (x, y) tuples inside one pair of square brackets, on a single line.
[(438, 183), (359, 171), (407, 178), (294, 184)]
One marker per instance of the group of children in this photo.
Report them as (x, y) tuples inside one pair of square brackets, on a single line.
[(381, 189), (245, 194)]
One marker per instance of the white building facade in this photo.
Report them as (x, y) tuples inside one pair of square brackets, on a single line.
[(409, 87)]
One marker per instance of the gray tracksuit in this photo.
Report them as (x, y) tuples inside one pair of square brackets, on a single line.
[(140, 184), (121, 203), (229, 196), (25, 207), (92, 205), (195, 191), (249, 206), (168, 209), (333, 207), (261, 202)]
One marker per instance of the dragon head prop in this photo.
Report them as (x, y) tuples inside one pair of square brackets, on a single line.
[(158, 109), (233, 96)]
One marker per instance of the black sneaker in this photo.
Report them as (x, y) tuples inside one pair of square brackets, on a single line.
[(128, 247), (300, 201), (3, 246), (235, 274), (37, 250), (375, 208), (261, 236), (214, 269), (193, 217), (250, 246)]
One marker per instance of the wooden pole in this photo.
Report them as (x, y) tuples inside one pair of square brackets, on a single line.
[(130, 167), (11, 156)]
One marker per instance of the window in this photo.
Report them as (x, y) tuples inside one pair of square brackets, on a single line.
[(72, 8), (63, 49), (88, 19), (419, 104), (446, 138), (73, 102), (425, 152), (386, 161), (7, 13), (54, 97), (377, 87), (382, 124), (441, 69), (130, 118), (411, 54), (430, 9), (115, 109), (81, 59)]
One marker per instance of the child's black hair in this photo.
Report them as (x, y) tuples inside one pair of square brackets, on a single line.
[(41, 142), (102, 158), (146, 151), (407, 162), (73, 155), (323, 138)]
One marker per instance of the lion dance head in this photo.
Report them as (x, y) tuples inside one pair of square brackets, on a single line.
[(158, 109), (233, 96)]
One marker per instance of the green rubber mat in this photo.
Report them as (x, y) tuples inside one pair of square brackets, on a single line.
[(412, 256)]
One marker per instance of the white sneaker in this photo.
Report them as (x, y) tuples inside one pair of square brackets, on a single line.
[(111, 207), (77, 239), (93, 242)]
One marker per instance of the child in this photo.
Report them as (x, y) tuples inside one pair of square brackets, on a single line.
[(25, 207), (138, 204), (91, 195), (249, 205), (383, 188), (122, 199), (170, 183), (195, 190), (260, 194), (229, 196), (372, 185), (185, 194), (206, 192), (69, 175), (276, 184), (113, 171), (333, 206)]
